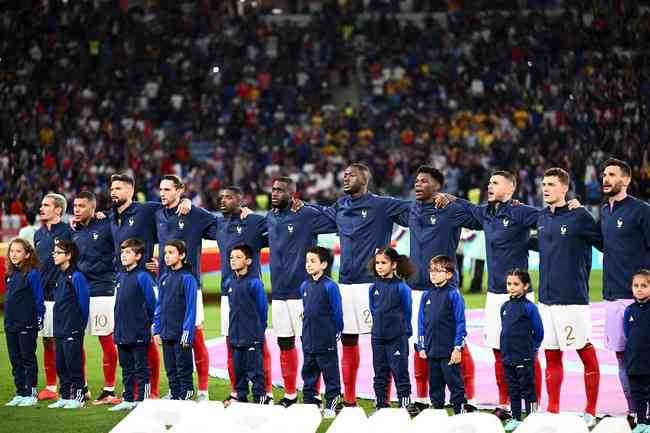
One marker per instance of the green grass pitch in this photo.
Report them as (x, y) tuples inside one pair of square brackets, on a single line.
[(93, 419)]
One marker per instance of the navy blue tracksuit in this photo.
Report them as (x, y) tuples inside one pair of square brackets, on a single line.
[(44, 241), (521, 335), (175, 322), (322, 324), (441, 329), (135, 305), (96, 256), (231, 231), (390, 305), (71, 304), (24, 311), (626, 235), (291, 234), (636, 325), (192, 228), (364, 225), (564, 242), (138, 221), (507, 231), (247, 324)]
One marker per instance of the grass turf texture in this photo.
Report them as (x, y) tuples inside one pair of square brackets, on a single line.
[(97, 419)]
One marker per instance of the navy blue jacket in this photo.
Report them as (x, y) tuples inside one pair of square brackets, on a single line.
[(441, 321), (364, 225), (233, 230), (435, 232), (507, 231), (175, 315), (564, 241), (521, 330), (138, 221), (323, 314), (71, 304), (192, 228), (96, 260), (248, 310), (626, 235), (135, 306), (291, 234), (44, 241), (636, 325), (24, 307), (390, 305)]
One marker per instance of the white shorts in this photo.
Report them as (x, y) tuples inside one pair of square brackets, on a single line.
[(48, 320), (287, 317), (225, 315), (101, 317), (492, 327), (566, 327), (416, 295), (356, 311), (200, 314)]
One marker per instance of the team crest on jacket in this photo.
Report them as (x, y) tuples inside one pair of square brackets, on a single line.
[(563, 230), (131, 222), (619, 223), (95, 236), (506, 222), (364, 213), (181, 224), (238, 229), (290, 228), (433, 220)]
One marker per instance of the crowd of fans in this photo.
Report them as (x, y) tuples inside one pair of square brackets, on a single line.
[(87, 90)]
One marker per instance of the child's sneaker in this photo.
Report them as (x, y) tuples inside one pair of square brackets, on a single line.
[(74, 404), (58, 404), (511, 425), (125, 405), (28, 401), (641, 428), (15, 401), (589, 419)]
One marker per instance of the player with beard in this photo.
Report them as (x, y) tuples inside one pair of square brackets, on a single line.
[(234, 228), (132, 220), (291, 235), (625, 224), (364, 224), (52, 231)]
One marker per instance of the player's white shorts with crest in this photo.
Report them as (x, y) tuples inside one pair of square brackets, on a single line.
[(356, 311), (287, 317), (416, 295), (48, 320), (101, 317), (566, 327)]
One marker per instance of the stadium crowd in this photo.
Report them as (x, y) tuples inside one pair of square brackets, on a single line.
[(223, 99)]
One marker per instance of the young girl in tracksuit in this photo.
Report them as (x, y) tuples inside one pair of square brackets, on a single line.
[(135, 305), (636, 325), (321, 326), (24, 311), (441, 334), (522, 333), (174, 319), (246, 325), (390, 305), (71, 306)]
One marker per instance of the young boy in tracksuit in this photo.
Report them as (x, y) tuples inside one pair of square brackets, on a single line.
[(71, 307), (246, 325), (390, 305), (24, 311), (441, 334), (636, 325), (135, 305), (175, 320), (522, 333), (321, 327)]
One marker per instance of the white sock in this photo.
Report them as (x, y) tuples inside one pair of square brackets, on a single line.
[(423, 400), (109, 388), (203, 392), (51, 388), (290, 396)]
